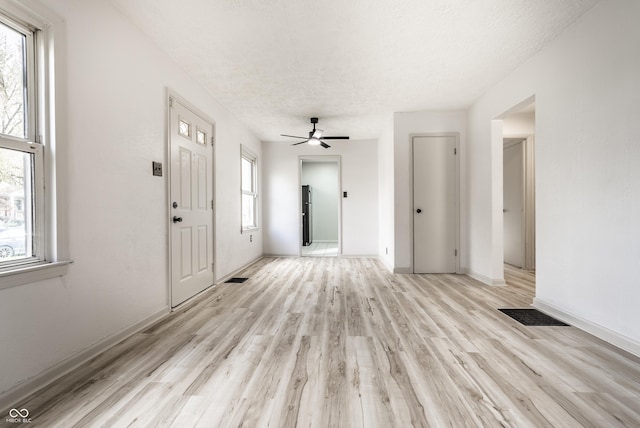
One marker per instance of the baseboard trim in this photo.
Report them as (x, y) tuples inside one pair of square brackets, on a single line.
[(389, 266), (621, 341), (494, 282), (359, 256), (402, 270), (21, 391), (274, 256)]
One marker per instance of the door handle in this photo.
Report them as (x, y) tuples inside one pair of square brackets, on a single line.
[(418, 210), (177, 219)]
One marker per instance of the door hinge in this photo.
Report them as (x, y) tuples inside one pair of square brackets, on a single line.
[(211, 204), (456, 253), (213, 141), (170, 101), (455, 151)]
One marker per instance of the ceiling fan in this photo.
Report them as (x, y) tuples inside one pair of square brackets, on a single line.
[(315, 137)]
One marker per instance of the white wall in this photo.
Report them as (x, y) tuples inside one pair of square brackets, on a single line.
[(519, 124), (116, 126), (280, 176), (406, 124), (325, 198), (386, 239), (587, 87)]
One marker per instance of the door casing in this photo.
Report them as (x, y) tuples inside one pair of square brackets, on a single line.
[(172, 97), (513, 200), (320, 158), (456, 137), (529, 215)]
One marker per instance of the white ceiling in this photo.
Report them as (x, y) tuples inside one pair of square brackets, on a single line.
[(275, 63)]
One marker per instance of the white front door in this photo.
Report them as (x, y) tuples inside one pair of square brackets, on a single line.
[(191, 199), (435, 208)]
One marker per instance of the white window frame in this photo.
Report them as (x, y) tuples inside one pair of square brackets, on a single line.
[(44, 140), (246, 154)]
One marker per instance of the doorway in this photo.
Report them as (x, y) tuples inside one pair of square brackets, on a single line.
[(518, 177), (513, 200), (320, 206), (435, 204), (191, 201)]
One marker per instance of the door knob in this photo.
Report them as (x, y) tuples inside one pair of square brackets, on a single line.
[(177, 219), (418, 210)]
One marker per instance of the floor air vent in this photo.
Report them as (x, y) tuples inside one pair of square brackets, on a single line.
[(236, 280), (532, 317)]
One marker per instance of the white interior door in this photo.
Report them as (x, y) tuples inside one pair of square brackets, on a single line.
[(191, 199), (513, 203), (435, 208)]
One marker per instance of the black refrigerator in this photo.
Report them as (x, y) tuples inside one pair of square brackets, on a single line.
[(307, 238)]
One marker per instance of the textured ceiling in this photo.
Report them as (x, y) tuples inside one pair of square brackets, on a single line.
[(275, 63)]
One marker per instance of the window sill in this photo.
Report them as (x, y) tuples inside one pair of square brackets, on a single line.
[(32, 273), (250, 230)]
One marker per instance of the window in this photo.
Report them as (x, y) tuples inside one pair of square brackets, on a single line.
[(249, 190), (28, 250), (20, 156)]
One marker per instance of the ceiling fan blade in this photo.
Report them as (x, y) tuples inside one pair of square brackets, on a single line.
[(335, 138), (293, 136), (301, 142), (325, 145)]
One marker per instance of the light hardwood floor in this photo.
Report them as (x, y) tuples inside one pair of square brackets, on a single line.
[(331, 342)]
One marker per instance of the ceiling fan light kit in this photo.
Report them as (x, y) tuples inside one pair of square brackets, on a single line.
[(315, 136)]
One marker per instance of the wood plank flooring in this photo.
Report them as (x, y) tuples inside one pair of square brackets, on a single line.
[(331, 342)]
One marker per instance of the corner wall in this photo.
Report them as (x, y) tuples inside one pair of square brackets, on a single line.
[(359, 174), (405, 125), (386, 240), (116, 126), (587, 93)]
